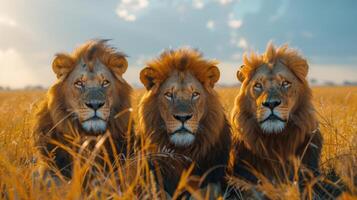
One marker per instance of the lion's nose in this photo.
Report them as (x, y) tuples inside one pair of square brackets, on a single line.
[(95, 105), (271, 103), (183, 118)]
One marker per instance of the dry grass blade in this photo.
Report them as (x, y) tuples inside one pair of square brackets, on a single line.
[(131, 177)]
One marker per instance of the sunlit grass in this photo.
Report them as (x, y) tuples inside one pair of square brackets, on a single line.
[(22, 174)]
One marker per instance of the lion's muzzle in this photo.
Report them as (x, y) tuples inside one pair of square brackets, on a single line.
[(95, 104), (271, 120), (271, 103), (97, 110), (182, 118), (183, 135)]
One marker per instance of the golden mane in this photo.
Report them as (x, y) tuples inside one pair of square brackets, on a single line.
[(301, 128), (303, 120), (213, 138), (214, 120), (289, 57), (54, 120), (90, 52), (184, 59)]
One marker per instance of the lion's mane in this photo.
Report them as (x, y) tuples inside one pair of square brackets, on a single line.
[(54, 120), (213, 139), (269, 155)]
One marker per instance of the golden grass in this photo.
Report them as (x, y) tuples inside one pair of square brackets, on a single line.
[(20, 169)]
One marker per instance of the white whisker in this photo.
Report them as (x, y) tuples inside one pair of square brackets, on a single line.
[(182, 139)]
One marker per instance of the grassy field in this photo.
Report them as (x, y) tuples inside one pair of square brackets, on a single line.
[(336, 107)]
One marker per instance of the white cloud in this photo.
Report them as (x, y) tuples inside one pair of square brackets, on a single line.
[(125, 15), (237, 41), (8, 21), (225, 2), (198, 4), (15, 72), (128, 9), (242, 43), (235, 23), (210, 24)]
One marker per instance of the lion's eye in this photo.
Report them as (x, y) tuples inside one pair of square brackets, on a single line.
[(195, 95), (258, 86), (79, 84), (105, 83), (168, 95), (285, 84)]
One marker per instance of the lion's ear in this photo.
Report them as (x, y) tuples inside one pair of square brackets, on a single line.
[(303, 70), (62, 64), (148, 76), (240, 75), (213, 75), (118, 64)]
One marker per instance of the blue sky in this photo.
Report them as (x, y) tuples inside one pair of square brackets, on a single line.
[(325, 31)]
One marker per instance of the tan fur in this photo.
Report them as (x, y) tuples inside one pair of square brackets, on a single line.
[(56, 118), (183, 60), (213, 135), (268, 153)]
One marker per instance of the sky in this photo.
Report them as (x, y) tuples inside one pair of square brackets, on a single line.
[(32, 32)]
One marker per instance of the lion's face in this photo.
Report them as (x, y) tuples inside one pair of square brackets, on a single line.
[(182, 102), (274, 90), (89, 96), (90, 84), (177, 107)]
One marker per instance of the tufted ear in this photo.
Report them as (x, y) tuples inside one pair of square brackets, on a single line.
[(240, 75), (62, 64), (118, 64), (299, 67), (213, 75), (302, 70), (148, 76)]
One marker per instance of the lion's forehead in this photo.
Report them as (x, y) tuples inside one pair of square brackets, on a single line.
[(273, 73), (97, 72), (181, 82)]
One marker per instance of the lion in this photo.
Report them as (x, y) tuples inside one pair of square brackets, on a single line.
[(274, 120), (182, 114), (89, 99)]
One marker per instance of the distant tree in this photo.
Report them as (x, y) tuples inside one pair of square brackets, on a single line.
[(349, 82), (329, 83), (34, 87), (313, 81)]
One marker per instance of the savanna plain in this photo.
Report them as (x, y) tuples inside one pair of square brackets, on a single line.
[(20, 169)]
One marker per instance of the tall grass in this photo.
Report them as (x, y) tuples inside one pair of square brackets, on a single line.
[(24, 176)]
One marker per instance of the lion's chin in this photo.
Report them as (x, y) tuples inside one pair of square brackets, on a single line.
[(95, 126), (272, 126), (182, 139)]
